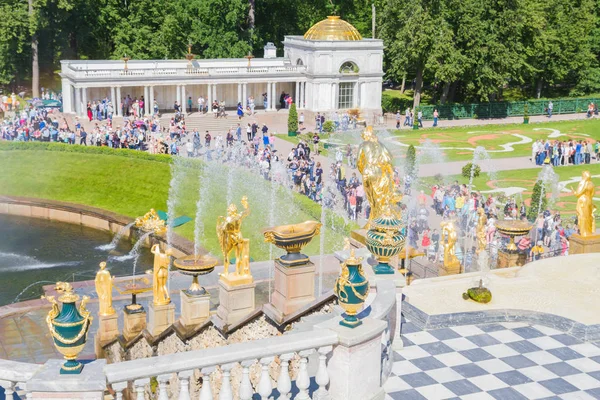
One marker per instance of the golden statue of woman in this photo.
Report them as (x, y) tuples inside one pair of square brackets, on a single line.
[(229, 232), (160, 273), (103, 283), (375, 165), (585, 207), (450, 238), (480, 230)]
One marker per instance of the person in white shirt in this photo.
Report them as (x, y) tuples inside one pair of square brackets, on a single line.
[(189, 147)]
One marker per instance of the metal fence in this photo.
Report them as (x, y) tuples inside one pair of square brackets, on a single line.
[(507, 108)]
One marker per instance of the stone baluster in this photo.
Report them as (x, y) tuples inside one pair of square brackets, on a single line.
[(303, 380), (9, 389), (118, 388), (226, 393), (264, 384), (206, 391), (284, 383), (322, 376), (184, 384), (246, 390), (163, 381), (140, 387)]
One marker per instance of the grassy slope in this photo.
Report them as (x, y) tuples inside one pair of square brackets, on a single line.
[(499, 134), (132, 186)]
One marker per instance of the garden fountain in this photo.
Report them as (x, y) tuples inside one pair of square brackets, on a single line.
[(510, 256)]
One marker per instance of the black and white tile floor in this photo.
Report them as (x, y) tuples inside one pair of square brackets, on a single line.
[(504, 361)]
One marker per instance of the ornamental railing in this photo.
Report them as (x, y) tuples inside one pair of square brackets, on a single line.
[(183, 72), (495, 109)]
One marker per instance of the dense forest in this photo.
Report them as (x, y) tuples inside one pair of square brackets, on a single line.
[(460, 50)]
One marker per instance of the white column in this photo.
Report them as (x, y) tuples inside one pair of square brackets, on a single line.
[(355, 95), (112, 96), (215, 92), (84, 101), (244, 94), (209, 97), (183, 100), (302, 92), (67, 98), (151, 100), (118, 108), (178, 94), (274, 96), (334, 92), (239, 98), (297, 95), (269, 97), (146, 98), (308, 96), (77, 100)]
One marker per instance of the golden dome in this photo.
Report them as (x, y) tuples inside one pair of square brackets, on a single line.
[(332, 28)]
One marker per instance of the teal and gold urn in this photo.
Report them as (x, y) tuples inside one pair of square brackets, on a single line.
[(351, 289), (68, 326), (384, 241)]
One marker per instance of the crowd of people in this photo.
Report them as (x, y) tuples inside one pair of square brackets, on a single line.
[(566, 152)]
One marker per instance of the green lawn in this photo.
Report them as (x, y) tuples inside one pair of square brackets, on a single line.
[(458, 143), (131, 186), (565, 203)]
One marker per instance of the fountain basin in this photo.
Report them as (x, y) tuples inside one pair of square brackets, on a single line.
[(292, 239), (194, 266), (513, 228)]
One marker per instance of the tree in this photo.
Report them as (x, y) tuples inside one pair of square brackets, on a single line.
[(411, 161), (538, 201), (470, 169), (292, 120)]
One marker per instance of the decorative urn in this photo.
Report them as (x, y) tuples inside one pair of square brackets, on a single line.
[(385, 240), (68, 326), (292, 239), (351, 289)]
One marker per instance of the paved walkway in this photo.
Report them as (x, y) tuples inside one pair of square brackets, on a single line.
[(503, 361)]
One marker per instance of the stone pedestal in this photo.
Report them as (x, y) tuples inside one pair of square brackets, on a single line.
[(48, 383), (452, 269), (235, 302), (133, 323), (507, 260), (294, 288), (355, 364), (584, 244), (160, 318), (108, 330), (398, 279), (194, 309)]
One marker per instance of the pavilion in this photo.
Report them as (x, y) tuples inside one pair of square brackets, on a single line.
[(332, 67)]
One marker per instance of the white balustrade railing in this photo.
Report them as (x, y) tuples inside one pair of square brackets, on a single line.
[(80, 72), (207, 361), (14, 373)]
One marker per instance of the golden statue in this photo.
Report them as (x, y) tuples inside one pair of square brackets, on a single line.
[(161, 276), (585, 208), (103, 283), (151, 222), (480, 230), (450, 237), (375, 165), (230, 238)]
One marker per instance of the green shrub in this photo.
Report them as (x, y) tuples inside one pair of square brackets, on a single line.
[(466, 170), (537, 206), (70, 148), (391, 104), (329, 126), (293, 119)]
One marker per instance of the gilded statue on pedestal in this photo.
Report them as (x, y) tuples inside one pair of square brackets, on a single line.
[(450, 237), (103, 284), (160, 274), (375, 165), (481, 229), (230, 238), (585, 208)]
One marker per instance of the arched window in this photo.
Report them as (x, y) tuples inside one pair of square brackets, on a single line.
[(299, 62), (349, 68)]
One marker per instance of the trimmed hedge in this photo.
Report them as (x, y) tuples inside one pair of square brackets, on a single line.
[(75, 148)]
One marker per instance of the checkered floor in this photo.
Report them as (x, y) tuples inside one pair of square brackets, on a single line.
[(505, 361)]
